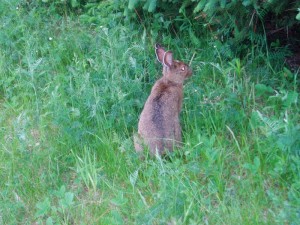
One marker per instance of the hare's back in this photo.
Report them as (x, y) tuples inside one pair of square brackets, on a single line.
[(164, 105)]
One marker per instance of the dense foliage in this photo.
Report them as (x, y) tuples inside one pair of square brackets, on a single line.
[(236, 24)]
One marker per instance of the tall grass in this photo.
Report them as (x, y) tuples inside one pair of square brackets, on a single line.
[(70, 100)]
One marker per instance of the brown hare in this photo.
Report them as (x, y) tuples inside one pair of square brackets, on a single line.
[(159, 127)]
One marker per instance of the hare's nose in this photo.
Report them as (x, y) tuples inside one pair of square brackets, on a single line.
[(190, 72)]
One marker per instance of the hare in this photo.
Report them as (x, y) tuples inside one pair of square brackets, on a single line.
[(159, 127)]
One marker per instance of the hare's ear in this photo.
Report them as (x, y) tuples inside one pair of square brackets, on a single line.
[(160, 53), (168, 59)]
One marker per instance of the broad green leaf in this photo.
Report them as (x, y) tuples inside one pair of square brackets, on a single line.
[(119, 200), (152, 5), (132, 4), (262, 90), (75, 3), (298, 15), (69, 196), (290, 98), (43, 208), (200, 6), (49, 221), (246, 2), (223, 3)]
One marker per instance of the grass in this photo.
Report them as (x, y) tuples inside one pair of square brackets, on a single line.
[(70, 100)]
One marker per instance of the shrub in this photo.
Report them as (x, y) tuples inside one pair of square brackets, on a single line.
[(266, 25)]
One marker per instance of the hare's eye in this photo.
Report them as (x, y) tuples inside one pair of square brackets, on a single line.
[(183, 68)]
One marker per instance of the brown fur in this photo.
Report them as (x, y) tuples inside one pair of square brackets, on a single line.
[(159, 126)]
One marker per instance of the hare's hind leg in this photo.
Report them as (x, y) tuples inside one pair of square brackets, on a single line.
[(138, 143), (178, 137)]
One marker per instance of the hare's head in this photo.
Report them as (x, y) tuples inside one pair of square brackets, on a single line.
[(175, 71)]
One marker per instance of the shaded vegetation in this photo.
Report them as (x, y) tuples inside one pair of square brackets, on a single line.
[(270, 25)]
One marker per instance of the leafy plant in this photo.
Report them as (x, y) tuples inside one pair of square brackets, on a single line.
[(56, 210)]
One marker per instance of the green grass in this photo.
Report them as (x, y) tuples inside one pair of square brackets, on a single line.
[(70, 100)]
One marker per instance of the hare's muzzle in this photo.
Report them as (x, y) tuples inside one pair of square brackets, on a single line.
[(189, 72)]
